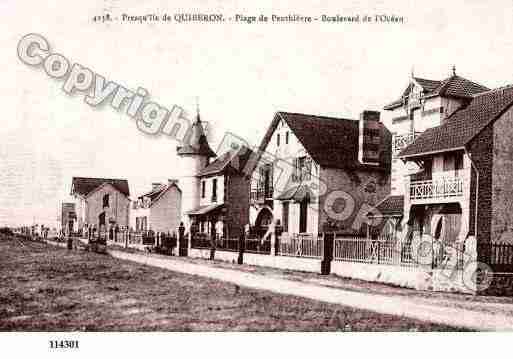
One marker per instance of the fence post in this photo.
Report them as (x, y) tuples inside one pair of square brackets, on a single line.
[(328, 253), (242, 242), (212, 247)]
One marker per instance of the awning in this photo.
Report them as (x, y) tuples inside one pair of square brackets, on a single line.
[(204, 209), (298, 194)]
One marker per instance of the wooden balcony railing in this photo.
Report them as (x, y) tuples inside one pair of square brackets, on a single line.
[(437, 189), (401, 141)]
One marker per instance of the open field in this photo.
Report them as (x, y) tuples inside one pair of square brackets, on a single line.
[(51, 289)]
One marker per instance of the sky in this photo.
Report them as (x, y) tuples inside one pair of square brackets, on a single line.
[(241, 73)]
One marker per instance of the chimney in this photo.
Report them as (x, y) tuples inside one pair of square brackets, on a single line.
[(172, 181), (155, 185), (370, 135)]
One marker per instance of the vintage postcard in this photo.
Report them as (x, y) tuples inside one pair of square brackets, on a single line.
[(232, 166)]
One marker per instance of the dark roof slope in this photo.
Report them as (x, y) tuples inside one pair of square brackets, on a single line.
[(232, 160), (154, 193), (456, 86), (195, 142), (453, 86), (84, 185), (463, 125), (332, 142), (426, 84), (390, 206)]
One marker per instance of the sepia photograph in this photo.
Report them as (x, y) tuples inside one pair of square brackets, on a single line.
[(289, 175)]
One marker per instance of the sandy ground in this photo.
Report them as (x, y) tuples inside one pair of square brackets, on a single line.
[(46, 288)]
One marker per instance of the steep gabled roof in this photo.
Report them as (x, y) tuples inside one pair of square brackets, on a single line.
[(155, 194), (453, 86), (463, 125), (85, 185), (331, 142), (232, 160)]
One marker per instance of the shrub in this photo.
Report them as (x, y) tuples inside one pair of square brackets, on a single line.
[(6, 231)]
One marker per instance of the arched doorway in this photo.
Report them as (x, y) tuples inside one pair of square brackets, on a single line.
[(263, 221)]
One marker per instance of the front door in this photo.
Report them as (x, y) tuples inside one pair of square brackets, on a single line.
[(303, 212), (101, 220)]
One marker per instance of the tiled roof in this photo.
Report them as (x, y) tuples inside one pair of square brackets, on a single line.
[(233, 160), (332, 142), (298, 194), (463, 125), (84, 185), (456, 86), (453, 86), (390, 206)]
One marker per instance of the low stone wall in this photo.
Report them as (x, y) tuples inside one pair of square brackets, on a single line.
[(409, 277), (199, 253), (501, 285), (283, 262), (226, 256)]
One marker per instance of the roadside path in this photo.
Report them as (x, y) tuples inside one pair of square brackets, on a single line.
[(472, 319), (482, 316)]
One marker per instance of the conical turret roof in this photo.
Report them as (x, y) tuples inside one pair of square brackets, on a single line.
[(196, 143)]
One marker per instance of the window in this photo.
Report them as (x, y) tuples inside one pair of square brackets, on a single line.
[(287, 137), (203, 189), (285, 216), (214, 190), (412, 120), (278, 140), (458, 163), (105, 200), (302, 169)]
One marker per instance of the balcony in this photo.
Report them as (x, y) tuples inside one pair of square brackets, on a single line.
[(443, 189), (401, 141), (260, 195)]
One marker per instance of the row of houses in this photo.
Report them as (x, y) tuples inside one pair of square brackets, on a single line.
[(436, 162)]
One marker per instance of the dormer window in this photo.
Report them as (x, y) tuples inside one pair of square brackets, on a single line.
[(278, 140), (106, 201)]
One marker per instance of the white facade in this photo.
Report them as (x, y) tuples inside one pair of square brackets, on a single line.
[(189, 168), (284, 152)]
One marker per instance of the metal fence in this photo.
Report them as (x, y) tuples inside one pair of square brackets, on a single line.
[(301, 245), (499, 256), (257, 245), (363, 250)]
